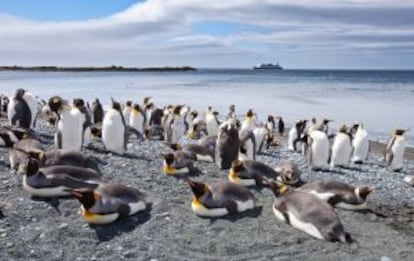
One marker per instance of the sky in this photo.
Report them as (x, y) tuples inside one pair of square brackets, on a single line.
[(300, 34)]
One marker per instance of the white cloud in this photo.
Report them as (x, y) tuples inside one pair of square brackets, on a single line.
[(153, 32)]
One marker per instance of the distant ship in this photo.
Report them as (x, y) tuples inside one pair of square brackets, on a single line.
[(268, 66)]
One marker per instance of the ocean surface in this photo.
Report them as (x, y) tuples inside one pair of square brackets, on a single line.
[(382, 100)]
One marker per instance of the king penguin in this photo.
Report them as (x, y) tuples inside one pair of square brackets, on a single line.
[(339, 194), (317, 145), (18, 111), (69, 133), (97, 112), (219, 199), (360, 144), (87, 121), (308, 213), (137, 118), (394, 154), (341, 148), (108, 202), (39, 184), (114, 130), (212, 123)]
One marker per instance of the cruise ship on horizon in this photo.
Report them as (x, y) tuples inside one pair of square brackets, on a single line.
[(268, 66)]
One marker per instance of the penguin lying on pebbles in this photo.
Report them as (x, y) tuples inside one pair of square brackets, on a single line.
[(289, 173), (39, 184), (199, 152), (308, 213), (250, 172), (175, 164), (339, 194), (219, 199), (108, 202), (63, 157), (10, 135), (17, 155)]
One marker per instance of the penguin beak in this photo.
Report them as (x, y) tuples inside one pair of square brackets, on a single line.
[(76, 194)]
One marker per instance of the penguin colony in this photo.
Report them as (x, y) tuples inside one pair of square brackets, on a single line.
[(231, 144)]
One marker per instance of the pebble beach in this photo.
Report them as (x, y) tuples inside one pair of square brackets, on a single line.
[(169, 230)]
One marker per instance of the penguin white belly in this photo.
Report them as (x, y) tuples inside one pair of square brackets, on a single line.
[(136, 207), (347, 206), (44, 192), (136, 121), (32, 103), (212, 126), (242, 182), (360, 144), (249, 155), (10, 110), (320, 149), (205, 158), (98, 218), (248, 125), (87, 136), (341, 150), (201, 210), (178, 130), (244, 205), (398, 154), (259, 135), (308, 228), (113, 132), (293, 134), (325, 196), (70, 127)]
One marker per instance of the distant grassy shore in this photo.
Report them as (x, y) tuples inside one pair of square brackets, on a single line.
[(97, 69)]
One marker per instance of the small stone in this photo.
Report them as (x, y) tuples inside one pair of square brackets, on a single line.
[(385, 258), (9, 245), (42, 235), (63, 225), (3, 234)]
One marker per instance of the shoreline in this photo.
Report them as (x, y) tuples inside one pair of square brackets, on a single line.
[(112, 68)]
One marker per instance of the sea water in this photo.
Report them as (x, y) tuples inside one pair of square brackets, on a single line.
[(381, 100)]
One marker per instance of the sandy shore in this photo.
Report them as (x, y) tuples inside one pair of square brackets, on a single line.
[(32, 230)]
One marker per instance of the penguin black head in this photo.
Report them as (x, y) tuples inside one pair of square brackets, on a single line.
[(116, 105), (146, 100), (97, 101), (270, 118), (198, 188), (128, 103), (343, 129), (177, 109), (249, 113), (55, 103), (232, 108), (32, 167), (364, 191), (19, 93), (215, 113), (313, 120), (175, 146), (326, 121), (78, 102), (96, 131), (87, 197), (237, 165), (137, 107), (169, 158), (399, 132)]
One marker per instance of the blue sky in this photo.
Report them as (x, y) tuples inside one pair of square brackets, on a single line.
[(364, 34)]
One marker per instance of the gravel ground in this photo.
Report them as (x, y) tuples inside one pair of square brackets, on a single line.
[(33, 230)]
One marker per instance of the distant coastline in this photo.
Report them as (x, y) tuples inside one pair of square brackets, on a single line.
[(112, 68)]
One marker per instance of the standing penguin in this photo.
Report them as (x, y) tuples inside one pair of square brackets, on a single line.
[(249, 122), (177, 125), (281, 126), (360, 144), (87, 121), (212, 122), (317, 145), (18, 111), (97, 112), (270, 123), (137, 118), (295, 134), (341, 148), (69, 133), (227, 144), (394, 154), (126, 112), (114, 130), (247, 145)]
